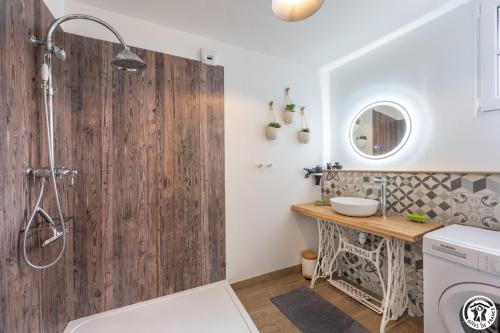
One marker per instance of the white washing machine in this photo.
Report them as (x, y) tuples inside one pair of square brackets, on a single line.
[(460, 262)]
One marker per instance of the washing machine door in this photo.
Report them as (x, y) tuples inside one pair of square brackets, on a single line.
[(453, 300)]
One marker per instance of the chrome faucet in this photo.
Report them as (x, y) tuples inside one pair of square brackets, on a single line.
[(46, 173), (383, 195)]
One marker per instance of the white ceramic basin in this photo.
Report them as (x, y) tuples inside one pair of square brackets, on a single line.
[(357, 207)]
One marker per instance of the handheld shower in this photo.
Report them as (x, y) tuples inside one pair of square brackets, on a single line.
[(124, 60)]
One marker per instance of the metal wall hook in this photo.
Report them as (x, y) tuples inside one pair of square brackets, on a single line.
[(287, 96), (271, 111), (35, 41)]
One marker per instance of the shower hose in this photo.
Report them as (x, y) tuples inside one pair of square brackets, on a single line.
[(49, 117)]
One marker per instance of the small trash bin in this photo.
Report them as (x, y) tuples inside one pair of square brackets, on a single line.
[(308, 263)]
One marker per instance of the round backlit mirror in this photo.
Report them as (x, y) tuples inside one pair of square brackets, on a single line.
[(380, 130)]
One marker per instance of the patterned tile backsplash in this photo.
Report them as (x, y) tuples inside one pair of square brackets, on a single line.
[(468, 199), (475, 201)]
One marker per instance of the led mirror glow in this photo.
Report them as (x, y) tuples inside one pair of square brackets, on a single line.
[(380, 130), (296, 10)]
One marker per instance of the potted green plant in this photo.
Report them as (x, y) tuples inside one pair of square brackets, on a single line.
[(289, 114), (355, 127), (361, 141), (272, 130), (305, 135)]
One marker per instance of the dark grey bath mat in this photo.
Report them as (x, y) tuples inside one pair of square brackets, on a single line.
[(311, 313)]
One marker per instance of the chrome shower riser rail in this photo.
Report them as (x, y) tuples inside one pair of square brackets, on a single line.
[(48, 93), (124, 60)]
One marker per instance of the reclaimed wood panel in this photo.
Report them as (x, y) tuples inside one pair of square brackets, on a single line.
[(19, 303), (107, 177), (167, 250), (213, 174), (147, 209), (164, 187), (3, 172), (3, 178), (387, 132), (187, 188)]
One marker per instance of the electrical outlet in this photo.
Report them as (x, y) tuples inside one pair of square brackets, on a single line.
[(209, 57)]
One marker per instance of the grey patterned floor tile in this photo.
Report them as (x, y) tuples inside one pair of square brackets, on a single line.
[(432, 182), (349, 177), (353, 190), (431, 196), (399, 193), (400, 203), (405, 180), (493, 184), (478, 210), (332, 176), (475, 183), (456, 182), (435, 204)]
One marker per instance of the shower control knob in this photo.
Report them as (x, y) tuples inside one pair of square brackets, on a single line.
[(29, 172), (65, 172), (73, 174), (62, 172)]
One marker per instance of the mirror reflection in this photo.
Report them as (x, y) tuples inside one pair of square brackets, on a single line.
[(380, 130)]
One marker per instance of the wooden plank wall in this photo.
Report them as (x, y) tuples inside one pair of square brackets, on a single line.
[(148, 205), (387, 132)]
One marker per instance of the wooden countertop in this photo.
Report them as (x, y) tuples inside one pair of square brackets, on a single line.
[(393, 226)]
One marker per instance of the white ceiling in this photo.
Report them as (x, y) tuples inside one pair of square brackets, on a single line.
[(339, 28)]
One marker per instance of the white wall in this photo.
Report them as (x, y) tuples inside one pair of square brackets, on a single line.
[(431, 71), (262, 234), (56, 7)]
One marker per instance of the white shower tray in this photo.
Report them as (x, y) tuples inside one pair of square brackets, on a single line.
[(213, 308)]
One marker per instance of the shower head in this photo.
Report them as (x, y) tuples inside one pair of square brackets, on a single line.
[(127, 60)]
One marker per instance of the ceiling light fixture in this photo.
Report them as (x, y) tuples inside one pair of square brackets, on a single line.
[(295, 10)]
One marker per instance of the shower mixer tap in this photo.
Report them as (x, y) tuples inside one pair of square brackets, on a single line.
[(53, 48), (65, 172), (46, 173), (382, 181)]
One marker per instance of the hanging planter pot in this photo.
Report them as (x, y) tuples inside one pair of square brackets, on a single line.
[(361, 141), (273, 126), (289, 114), (272, 130), (305, 132), (305, 136)]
